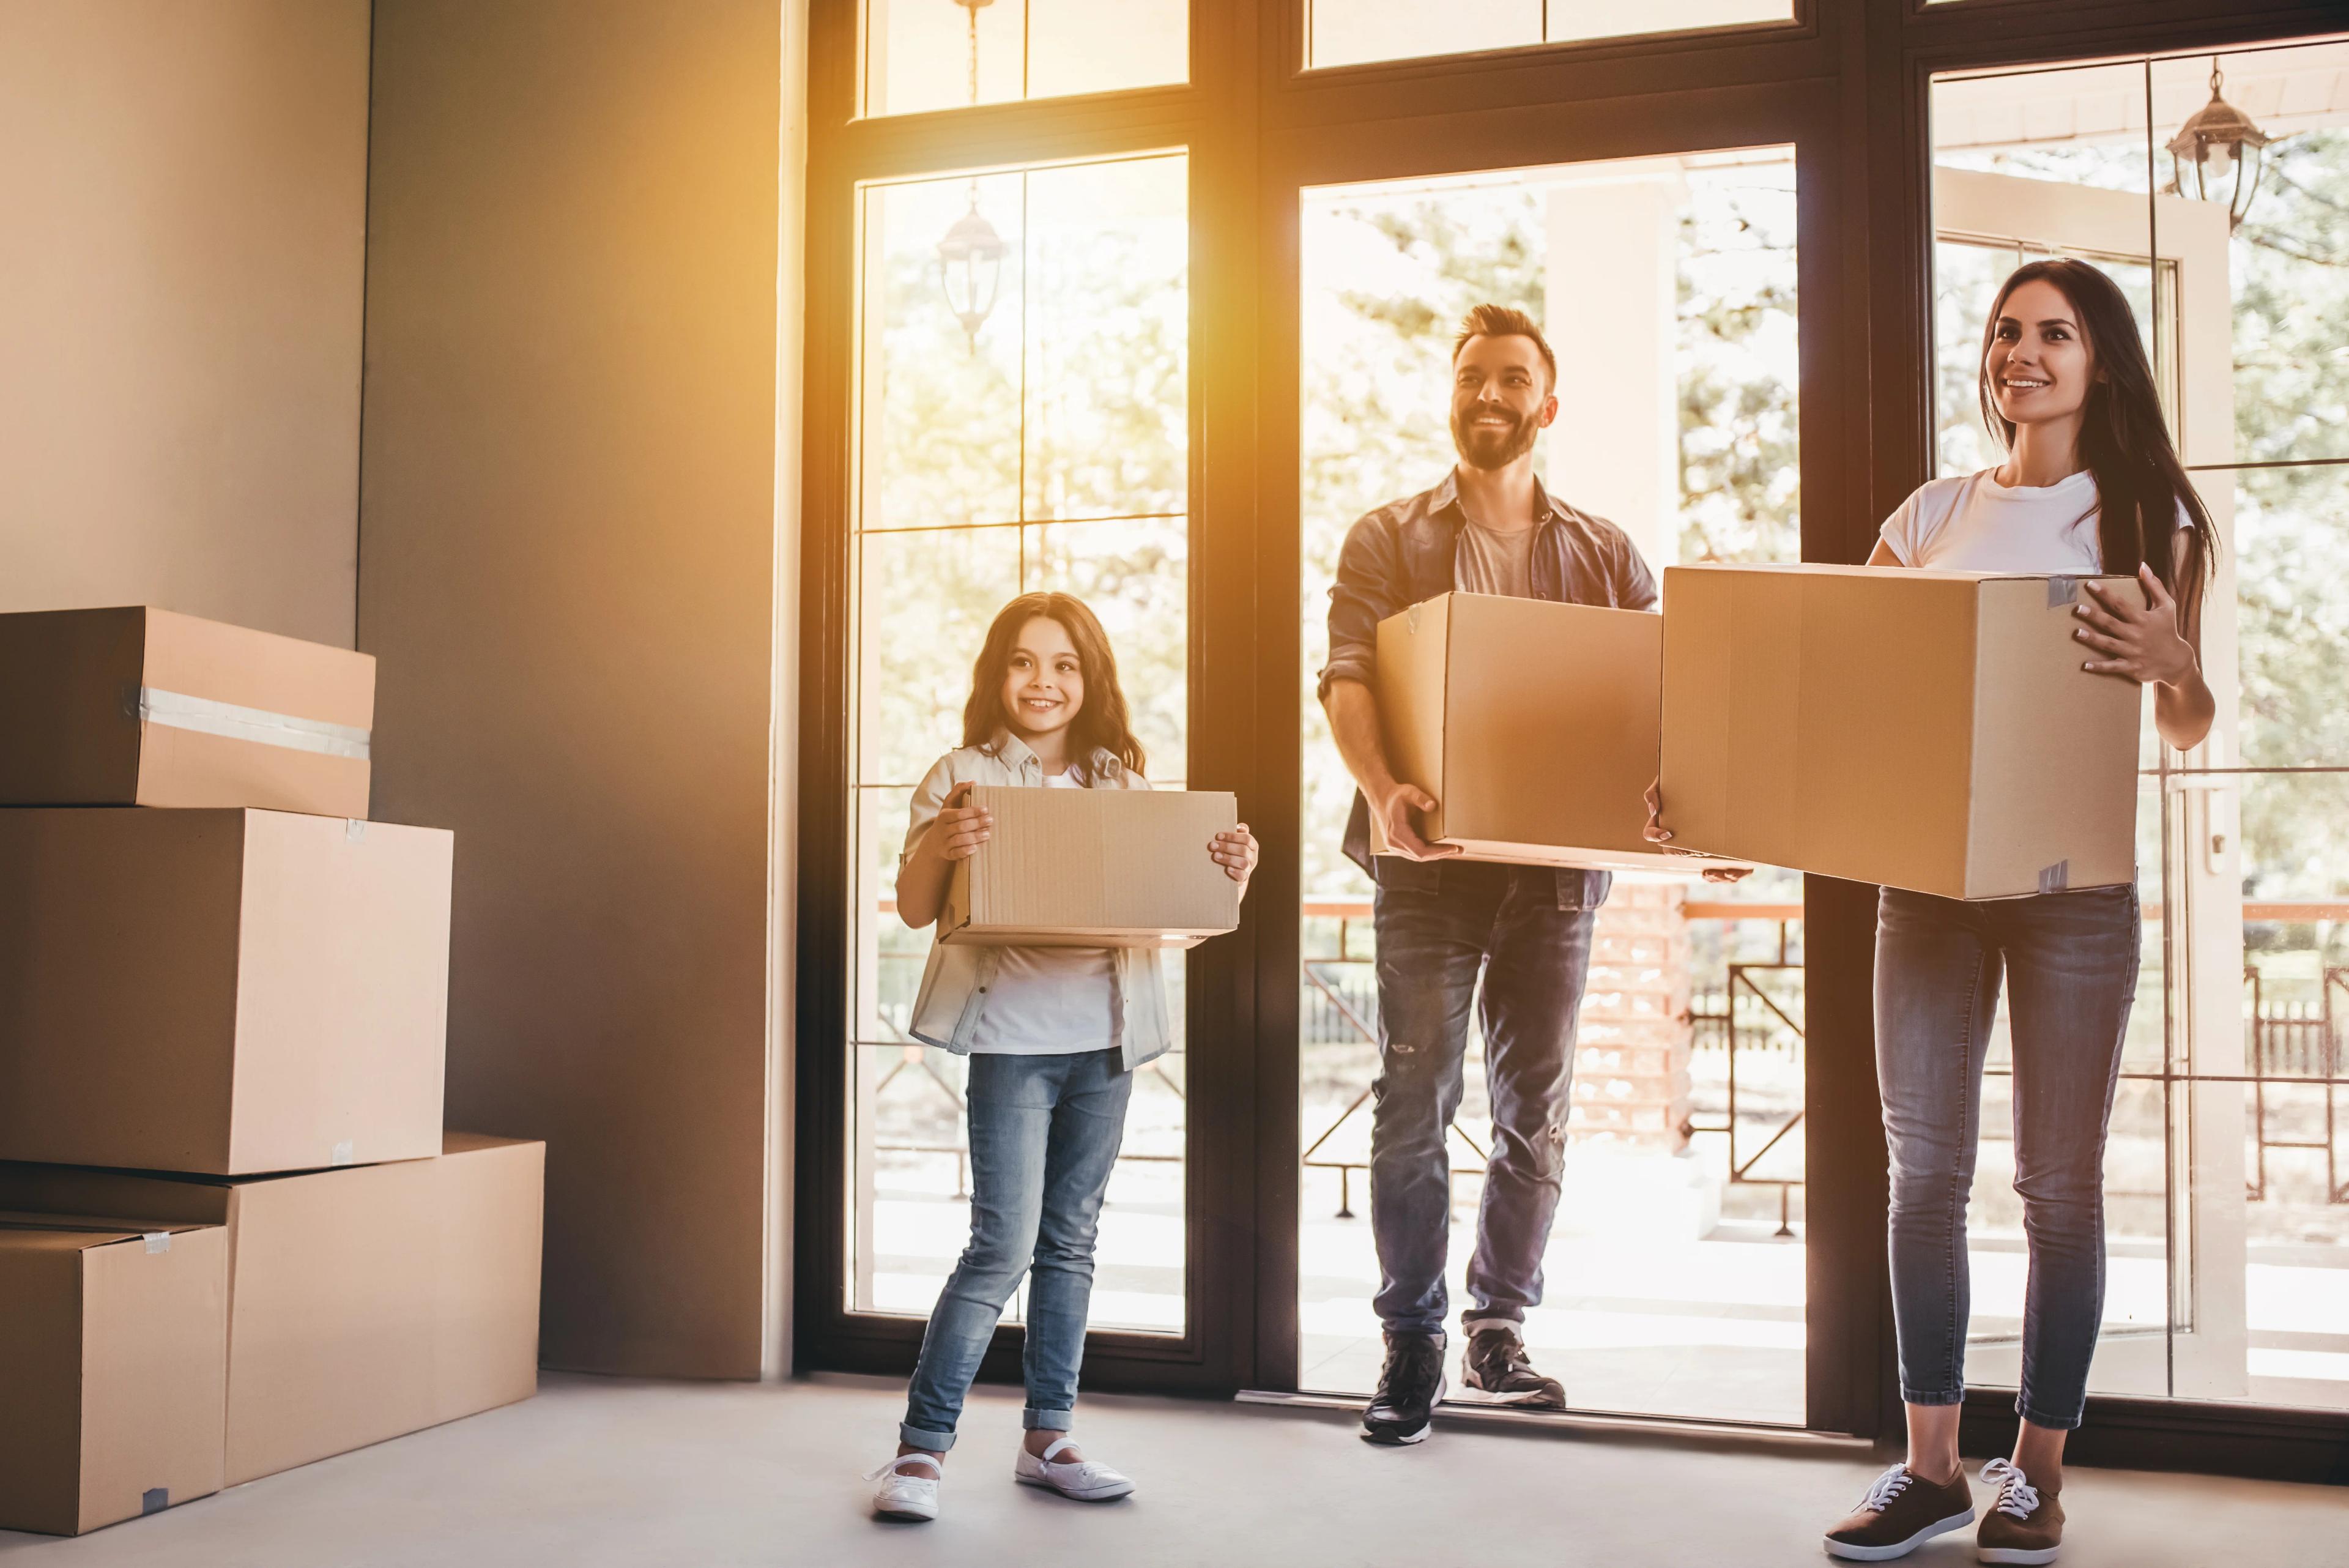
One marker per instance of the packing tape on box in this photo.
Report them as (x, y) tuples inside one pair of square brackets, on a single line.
[(178, 710), (157, 1241), (2062, 591), (2056, 877)]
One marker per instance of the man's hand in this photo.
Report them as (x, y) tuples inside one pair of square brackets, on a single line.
[(1657, 834), (1394, 809)]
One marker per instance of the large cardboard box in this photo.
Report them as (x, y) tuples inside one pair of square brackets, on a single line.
[(362, 1303), (1932, 731), (1533, 725), (1096, 868), (225, 992), (143, 707), (113, 1368)]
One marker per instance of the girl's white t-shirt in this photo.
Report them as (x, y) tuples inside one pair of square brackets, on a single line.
[(1974, 524), (1050, 1001)]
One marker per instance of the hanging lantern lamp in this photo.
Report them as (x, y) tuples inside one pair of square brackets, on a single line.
[(2216, 155)]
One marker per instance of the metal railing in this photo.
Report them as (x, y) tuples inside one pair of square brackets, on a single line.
[(1734, 1032), (2298, 1042)]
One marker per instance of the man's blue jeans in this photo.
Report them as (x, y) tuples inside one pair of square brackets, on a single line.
[(2070, 962), (1044, 1136), (1529, 937)]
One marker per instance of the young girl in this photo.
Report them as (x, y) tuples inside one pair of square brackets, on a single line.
[(1054, 1035), (2090, 483)]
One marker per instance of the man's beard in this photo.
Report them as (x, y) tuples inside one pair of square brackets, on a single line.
[(1492, 448)]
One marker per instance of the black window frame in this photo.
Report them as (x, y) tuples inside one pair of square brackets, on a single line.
[(1847, 83)]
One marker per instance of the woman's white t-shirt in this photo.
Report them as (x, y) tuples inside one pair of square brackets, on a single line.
[(1975, 524), (1050, 1001)]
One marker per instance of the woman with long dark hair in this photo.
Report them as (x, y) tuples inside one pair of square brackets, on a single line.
[(2090, 483)]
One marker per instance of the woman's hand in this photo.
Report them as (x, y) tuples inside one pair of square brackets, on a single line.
[(2144, 644), (960, 827), (1657, 834), (1234, 850)]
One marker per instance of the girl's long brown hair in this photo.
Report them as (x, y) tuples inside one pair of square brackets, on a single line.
[(2140, 484), (1101, 724)]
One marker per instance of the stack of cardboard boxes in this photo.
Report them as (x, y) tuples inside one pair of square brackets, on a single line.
[(234, 1236)]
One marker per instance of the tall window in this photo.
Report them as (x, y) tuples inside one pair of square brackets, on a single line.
[(2227, 1176), (1023, 423)]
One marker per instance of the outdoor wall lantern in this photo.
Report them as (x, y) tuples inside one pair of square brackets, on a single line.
[(970, 256), (970, 267), (2221, 146)]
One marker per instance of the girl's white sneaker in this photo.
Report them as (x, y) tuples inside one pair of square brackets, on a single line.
[(1083, 1479), (906, 1493)]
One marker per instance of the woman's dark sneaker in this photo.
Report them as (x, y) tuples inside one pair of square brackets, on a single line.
[(1494, 1365), (1401, 1411), (1900, 1512), (2025, 1525)]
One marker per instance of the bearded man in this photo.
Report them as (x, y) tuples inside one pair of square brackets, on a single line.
[(1487, 528)]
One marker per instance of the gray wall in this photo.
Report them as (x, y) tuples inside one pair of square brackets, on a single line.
[(183, 224), (567, 567)]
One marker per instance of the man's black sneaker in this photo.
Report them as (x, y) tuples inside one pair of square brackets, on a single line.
[(1412, 1381), (1494, 1365)]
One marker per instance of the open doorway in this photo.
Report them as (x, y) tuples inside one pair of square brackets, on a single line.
[(1667, 286)]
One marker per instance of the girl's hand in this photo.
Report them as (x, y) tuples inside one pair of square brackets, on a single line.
[(960, 827), (1657, 834), (1234, 850), (2145, 645)]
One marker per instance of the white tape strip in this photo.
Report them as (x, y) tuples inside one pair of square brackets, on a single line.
[(159, 1240), (2062, 591), (205, 716)]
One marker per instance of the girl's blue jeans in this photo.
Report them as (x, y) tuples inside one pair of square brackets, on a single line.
[(2070, 960), (1044, 1136)]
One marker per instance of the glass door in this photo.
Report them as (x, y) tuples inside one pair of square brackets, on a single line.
[(1667, 288), (2228, 1216)]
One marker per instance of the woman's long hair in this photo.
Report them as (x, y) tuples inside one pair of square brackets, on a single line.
[(2140, 484), (1101, 724)]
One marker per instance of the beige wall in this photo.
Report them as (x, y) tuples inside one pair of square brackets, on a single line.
[(567, 572), (182, 221)]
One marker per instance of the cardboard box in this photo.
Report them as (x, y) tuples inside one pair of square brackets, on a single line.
[(1931, 731), (225, 991), (143, 707), (362, 1303), (1533, 724), (1094, 868), (113, 1368)]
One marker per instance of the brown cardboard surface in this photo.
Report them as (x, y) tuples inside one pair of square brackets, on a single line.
[(221, 992), (363, 1302), (1094, 867), (1533, 724), (69, 681), (113, 1370), (1924, 730)]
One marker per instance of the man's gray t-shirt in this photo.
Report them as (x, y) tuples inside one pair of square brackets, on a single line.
[(1487, 561)]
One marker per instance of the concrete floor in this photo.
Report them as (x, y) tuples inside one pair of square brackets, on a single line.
[(596, 1473)]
